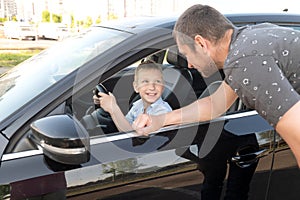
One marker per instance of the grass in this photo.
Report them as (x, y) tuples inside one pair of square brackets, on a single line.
[(11, 59)]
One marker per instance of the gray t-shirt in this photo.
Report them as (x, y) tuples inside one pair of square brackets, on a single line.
[(263, 68)]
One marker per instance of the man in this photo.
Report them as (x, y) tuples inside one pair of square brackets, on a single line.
[(260, 63)]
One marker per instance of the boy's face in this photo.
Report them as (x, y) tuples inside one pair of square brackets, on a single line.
[(149, 85)]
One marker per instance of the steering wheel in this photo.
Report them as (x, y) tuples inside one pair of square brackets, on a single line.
[(100, 88), (104, 117)]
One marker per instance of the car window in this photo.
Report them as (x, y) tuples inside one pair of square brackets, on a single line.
[(120, 84), (40, 72)]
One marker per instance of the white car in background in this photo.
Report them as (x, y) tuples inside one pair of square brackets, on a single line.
[(56, 31), (19, 30)]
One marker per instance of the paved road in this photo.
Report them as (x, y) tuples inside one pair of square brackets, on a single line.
[(3, 69), (14, 44)]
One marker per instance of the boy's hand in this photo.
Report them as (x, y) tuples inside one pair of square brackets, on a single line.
[(106, 101), (96, 100)]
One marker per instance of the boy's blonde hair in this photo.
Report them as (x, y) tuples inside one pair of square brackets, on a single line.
[(148, 64)]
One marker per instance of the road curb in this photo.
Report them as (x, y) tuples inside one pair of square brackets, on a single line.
[(25, 48), (4, 69)]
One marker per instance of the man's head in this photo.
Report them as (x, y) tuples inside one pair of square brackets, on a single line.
[(201, 20), (148, 81), (199, 32)]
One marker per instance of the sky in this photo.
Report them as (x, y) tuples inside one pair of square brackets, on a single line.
[(101, 8), (225, 6), (229, 6)]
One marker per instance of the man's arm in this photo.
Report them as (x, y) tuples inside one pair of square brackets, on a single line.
[(201, 110)]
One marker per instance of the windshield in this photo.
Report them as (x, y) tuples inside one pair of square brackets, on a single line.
[(30, 78)]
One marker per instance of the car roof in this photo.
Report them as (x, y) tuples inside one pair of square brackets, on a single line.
[(264, 17), (138, 24)]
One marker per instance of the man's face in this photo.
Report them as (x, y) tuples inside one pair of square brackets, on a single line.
[(199, 59)]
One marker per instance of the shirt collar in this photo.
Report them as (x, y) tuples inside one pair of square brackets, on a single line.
[(141, 107)]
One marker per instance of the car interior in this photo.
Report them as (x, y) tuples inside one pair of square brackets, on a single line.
[(183, 86)]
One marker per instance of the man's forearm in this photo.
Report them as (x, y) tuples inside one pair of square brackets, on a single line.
[(195, 112)]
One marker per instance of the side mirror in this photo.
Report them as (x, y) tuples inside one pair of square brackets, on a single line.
[(62, 138)]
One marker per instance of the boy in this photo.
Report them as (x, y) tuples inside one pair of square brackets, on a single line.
[(149, 83)]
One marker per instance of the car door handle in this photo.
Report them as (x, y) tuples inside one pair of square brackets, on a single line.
[(245, 160)]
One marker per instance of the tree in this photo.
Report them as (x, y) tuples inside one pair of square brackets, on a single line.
[(88, 22), (46, 16), (3, 19), (72, 21), (98, 20), (4, 190), (112, 16), (56, 18), (121, 167)]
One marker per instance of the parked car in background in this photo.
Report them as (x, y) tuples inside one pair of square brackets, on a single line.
[(19, 30), (55, 31), (55, 145)]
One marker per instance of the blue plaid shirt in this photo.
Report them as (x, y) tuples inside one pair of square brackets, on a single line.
[(158, 107)]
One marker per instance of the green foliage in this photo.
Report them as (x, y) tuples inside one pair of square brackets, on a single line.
[(56, 18), (4, 190), (72, 21), (80, 22), (88, 22), (3, 19), (120, 167), (112, 16), (46, 16), (14, 18), (98, 20), (12, 59)]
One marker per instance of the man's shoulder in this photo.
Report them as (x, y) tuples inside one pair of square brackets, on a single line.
[(267, 30)]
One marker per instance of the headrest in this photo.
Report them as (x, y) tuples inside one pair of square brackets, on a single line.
[(175, 58)]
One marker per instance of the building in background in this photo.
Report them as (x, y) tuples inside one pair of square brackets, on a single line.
[(31, 10), (8, 9), (67, 17)]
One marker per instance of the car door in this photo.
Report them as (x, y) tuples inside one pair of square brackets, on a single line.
[(158, 166), (134, 164), (121, 164)]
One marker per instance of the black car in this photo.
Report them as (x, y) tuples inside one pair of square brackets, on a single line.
[(54, 143)]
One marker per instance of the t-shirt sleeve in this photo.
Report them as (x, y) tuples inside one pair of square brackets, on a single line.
[(261, 84)]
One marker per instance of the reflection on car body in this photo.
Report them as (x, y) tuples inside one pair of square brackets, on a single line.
[(77, 158)]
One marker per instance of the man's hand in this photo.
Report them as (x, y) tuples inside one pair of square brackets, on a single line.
[(145, 124)]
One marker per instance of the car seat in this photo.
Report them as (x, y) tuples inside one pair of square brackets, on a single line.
[(178, 80)]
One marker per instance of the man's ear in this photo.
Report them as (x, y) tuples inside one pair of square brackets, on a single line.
[(199, 40)]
